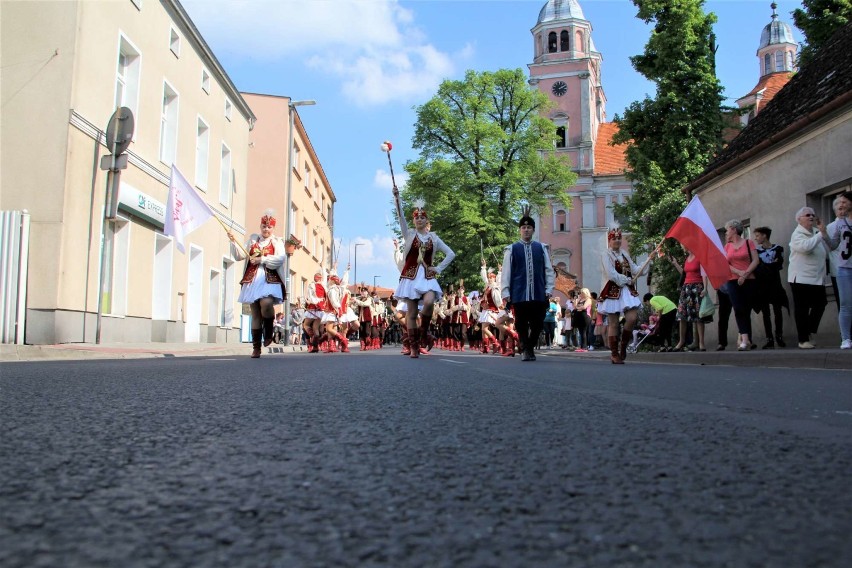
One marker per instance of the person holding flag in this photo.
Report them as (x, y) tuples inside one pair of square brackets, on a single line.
[(263, 279)]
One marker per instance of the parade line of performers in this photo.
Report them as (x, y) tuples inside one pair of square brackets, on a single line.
[(504, 319)]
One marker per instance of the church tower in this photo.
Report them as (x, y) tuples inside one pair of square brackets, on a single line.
[(776, 56), (566, 66)]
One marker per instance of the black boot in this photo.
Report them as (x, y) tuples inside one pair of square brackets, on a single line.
[(780, 341), (267, 331), (256, 337)]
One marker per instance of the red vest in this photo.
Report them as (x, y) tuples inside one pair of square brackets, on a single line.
[(409, 269), (251, 269)]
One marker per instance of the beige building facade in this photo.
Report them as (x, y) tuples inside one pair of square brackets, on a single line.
[(66, 67), (311, 207)]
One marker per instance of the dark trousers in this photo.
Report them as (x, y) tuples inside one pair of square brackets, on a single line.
[(549, 332), (725, 308), (666, 324), (529, 321), (808, 305), (778, 310)]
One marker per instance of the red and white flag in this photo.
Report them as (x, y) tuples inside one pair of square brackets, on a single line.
[(695, 231), (185, 210)]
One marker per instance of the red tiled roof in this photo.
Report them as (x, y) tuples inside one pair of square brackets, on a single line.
[(772, 83), (609, 160)]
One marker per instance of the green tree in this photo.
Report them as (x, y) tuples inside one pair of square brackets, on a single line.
[(818, 21), (671, 137), (485, 150)]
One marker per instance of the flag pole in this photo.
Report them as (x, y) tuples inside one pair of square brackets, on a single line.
[(227, 230), (648, 260)]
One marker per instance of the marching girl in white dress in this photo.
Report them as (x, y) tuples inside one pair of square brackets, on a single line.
[(417, 280), (263, 281), (619, 295)]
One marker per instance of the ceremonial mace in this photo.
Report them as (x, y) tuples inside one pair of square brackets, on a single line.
[(387, 147)]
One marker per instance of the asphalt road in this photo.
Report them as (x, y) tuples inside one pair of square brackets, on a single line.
[(373, 459)]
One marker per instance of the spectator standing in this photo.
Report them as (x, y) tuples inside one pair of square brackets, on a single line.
[(567, 329), (550, 322), (770, 292), (692, 291), (840, 234), (806, 274), (738, 292), (581, 317)]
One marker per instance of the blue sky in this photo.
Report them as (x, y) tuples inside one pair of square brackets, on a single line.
[(367, 63)]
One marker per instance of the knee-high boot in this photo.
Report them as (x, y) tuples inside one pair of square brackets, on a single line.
[(626, 336), (414, 343), (256, 338), (406, 342), (267, 331), (613, 350)]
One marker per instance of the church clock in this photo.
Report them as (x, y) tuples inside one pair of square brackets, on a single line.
[(559, 88)]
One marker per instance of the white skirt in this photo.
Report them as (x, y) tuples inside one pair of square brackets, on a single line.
[(260, 288), (330, 317), (483, 317), (349, 316), (494, 316), (415, 289), (314, 314), (626, 301)]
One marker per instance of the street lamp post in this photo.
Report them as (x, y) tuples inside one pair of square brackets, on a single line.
[(287, 228), (355, 278), (374, 282)]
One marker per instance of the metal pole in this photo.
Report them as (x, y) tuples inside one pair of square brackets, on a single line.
[(291, 108), (355, 279)]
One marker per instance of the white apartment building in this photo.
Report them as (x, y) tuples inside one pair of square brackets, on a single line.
[(66, 66)]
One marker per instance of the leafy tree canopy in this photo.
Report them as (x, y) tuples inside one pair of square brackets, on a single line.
[(486, 150), (818, 21), (671, 137)]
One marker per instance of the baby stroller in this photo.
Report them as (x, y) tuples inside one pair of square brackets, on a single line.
[(649, 334)]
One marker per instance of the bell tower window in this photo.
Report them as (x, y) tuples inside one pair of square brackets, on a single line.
[(578, 42), (551, 42), (767, 62), (560, 136), (563, 40)]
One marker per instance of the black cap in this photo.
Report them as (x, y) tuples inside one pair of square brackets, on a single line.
[(526, 220)]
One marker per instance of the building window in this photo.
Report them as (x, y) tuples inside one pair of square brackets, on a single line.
[(563, 40), (116, 265), (304, 292), (322, 251), (322, 205), (228, 271), (779, 60), (314, 243), (228, 107), (308, 178), (205, 81), (789, 61), (127, 75), (551, 42), (767, 64), (293, 211), (168, 125), (174, 42), (560, 221), (560, 136), (295, 157), (225, 177), (305, 233), (579, 43), (202, 154)]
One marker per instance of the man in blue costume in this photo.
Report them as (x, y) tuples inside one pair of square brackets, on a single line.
[(527, 283)]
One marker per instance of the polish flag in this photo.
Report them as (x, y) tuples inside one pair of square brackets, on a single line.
[(185, 209), (695, 231)]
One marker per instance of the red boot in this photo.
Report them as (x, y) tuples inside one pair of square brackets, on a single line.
[(414, 343), (613, 350), (344, 343)]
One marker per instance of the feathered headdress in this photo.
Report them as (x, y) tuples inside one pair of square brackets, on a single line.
[(419, 209), (526, 218), (268, 218), (613, 234)]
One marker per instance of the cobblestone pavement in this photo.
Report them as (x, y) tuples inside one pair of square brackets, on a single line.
[(372, 459)]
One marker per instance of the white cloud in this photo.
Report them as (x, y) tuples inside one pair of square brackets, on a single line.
[(374, 48), (383, 181)]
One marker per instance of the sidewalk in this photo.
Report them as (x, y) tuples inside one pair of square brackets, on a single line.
[(87, 351), (827, 358)]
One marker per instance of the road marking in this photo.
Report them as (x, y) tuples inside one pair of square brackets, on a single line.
[(451, 361), (221, 359)]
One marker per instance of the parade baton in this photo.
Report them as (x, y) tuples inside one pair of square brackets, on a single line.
[(227, 230), (387, 147)]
